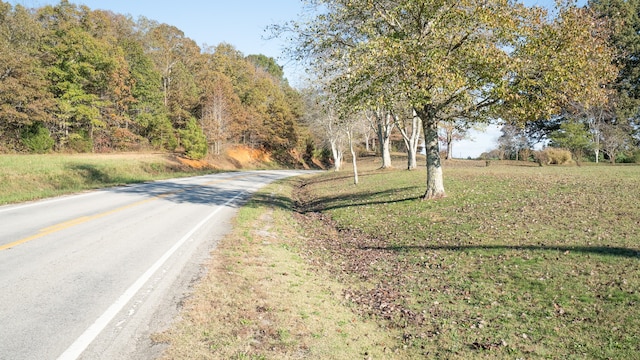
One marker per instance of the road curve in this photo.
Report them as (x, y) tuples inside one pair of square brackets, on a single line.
[(91, 276)]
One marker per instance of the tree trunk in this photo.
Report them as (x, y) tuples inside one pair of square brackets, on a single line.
[(383, 130), (386, 153), (93, 143), (336, 152), (412, 163), (449, 145), (411, 137), (366, 142), (435, 180), (353, 157)]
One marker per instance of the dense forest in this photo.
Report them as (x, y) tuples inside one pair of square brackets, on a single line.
[(74, 79)]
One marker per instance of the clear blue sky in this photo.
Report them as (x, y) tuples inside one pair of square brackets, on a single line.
[(242, 24)]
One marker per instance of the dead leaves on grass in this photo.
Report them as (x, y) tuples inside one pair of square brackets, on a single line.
[(516, 238)]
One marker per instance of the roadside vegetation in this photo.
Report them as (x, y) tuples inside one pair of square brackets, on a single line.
[(517, 262), (32, 177)]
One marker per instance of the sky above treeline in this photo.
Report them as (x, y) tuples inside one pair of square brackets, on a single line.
[(243, 23)]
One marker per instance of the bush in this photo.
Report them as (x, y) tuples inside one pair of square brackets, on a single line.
[(125, 140), (629, 158), (80, 143), (158, 130), (37, 139), (555, 156), (309, 151)]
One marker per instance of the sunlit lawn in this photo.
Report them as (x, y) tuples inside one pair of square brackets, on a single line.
[(517, 262)]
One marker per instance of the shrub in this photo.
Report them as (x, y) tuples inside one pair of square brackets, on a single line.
[(309, 151), (125, 140), (158, 130), (80, 142), (541, 157), (629, 158), (555, 156), (37, 139)]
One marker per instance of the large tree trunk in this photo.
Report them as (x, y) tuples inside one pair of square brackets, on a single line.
[(385, 148), (435, 180)]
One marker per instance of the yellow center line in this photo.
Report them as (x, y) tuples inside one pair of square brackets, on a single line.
[(71, 223), (81, 220)]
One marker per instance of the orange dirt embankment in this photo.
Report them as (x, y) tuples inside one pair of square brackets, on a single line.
[(237, 157)]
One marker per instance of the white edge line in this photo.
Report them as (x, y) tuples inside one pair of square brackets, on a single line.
[(82, 342), (18, 206)]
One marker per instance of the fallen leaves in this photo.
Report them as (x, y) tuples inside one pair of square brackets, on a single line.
[(447, 272)]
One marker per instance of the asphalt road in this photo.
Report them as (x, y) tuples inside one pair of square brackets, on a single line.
[(91, 276)]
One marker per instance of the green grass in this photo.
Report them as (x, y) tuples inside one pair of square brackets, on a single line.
[(30, 177), (517, 262)]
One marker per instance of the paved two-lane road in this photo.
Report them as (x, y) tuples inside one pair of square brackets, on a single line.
[(90, 276)]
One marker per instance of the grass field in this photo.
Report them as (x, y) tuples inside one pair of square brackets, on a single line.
[(517, 262), (30, 177)]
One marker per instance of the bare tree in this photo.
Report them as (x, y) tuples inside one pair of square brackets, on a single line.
[(512, 140), (322, 119), (615, 139), (350, 129)]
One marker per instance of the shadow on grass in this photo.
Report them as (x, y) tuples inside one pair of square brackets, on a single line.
[(91, 174), (271, 200), (345, 175), (326, 203), (599, 250)]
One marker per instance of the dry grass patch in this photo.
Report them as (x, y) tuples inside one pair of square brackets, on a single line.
[(261, 300)]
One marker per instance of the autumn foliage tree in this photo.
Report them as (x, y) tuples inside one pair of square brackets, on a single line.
[(25, 102), (93, 80), (469, 59)]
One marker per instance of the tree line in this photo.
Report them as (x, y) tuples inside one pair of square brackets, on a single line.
[(77, 79), (445, 66)]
